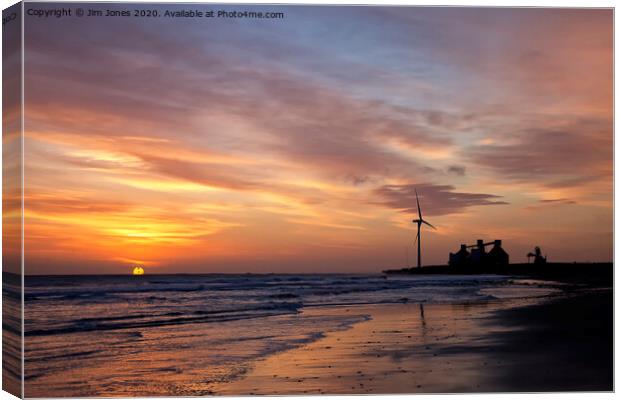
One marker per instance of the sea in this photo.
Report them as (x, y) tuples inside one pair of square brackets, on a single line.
[(185, 334)]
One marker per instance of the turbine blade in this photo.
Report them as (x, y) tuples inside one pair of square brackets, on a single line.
[(418, 201), (424, 222), (416, 238)]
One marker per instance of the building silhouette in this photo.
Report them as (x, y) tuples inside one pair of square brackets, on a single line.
[(497, 257), (460, 258)]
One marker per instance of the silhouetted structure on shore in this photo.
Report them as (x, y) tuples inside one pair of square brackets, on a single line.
[(460, 258), (495, 258), (538, 258)]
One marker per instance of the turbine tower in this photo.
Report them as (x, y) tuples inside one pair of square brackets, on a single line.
[(419, 221)]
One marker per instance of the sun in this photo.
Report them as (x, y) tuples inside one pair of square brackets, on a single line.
[(138, 270)]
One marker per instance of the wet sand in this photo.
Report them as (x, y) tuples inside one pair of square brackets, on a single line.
[(563, 344), (555, 344)]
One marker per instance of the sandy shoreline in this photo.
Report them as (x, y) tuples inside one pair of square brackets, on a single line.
[(446, 348), (529, 336)]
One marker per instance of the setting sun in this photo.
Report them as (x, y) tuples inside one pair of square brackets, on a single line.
[(138, 270)]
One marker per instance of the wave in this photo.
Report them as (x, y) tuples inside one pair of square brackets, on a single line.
[(165, 319), (84, 304)]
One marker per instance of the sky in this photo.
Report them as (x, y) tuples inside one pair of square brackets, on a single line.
[(296, 144)]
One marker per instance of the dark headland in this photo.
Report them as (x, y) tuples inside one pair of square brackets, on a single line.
[(595, 274)]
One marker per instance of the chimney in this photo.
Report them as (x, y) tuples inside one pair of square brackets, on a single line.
[(498, 243)]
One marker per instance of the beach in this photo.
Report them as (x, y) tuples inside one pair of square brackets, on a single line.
[(311, 334), (562, 344)]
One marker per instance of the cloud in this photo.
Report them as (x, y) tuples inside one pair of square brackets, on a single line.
[(563, 156), (67, 204), (544, 203), (434, 199), (208, 174), (458, 170), (307, 120), (558, 201)]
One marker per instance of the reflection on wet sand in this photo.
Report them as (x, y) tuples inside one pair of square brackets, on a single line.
[(400, 350), (195, 359), (422, 319)]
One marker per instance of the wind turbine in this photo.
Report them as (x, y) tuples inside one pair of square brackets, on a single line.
[(419, 221)]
